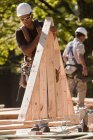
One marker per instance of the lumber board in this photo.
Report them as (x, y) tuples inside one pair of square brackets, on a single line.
[(12, 114), (7, 132), (14, 126), (8, 109), (73, 119), (64, 100), (58, 83), (43, 88), (33, 108), (34, 70), (50, 122), (29, 113), (35, 101), (51, 77), (87, 100)]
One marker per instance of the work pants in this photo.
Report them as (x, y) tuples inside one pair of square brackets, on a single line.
[(80, 85)]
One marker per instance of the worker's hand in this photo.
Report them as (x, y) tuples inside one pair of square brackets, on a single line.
[(84, 71)]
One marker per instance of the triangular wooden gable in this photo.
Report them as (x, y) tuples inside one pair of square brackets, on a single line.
[(47, 94)]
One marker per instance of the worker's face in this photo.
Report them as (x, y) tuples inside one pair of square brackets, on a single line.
[(82, 38), (26, 19)]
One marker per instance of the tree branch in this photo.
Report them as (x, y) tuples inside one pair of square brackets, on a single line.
[(50, 7)]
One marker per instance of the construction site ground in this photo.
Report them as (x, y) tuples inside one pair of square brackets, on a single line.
[(61, 128)]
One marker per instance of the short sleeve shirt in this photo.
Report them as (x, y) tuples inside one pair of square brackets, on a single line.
[(21, 41), (78, 48)]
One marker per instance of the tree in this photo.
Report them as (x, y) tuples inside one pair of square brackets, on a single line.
[(86, 17), (67, 16)]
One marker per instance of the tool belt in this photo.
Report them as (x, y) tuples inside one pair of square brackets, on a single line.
[(72, 75), (77, 74), (26, 65), (25, 71)]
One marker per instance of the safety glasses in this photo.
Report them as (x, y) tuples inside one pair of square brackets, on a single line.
[(26, 18)]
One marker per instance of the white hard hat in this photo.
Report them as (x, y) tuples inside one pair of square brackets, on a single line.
[(82, 30), (23, 9)]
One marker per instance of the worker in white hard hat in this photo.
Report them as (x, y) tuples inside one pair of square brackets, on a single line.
[(27, 37), (76, 69), (75, 65)]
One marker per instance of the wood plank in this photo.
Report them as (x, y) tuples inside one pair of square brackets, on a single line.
[(33, 108), (64, 100), (34, 70), (59, 88), (70, 120), (13, 114), (14, 126), (87, 100), (43, 88), (51, 77), (8, 109), (7, 132), (74, 119), (35, 104)]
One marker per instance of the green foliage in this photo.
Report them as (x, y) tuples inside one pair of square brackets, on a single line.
[(65, 14), (87, 22)]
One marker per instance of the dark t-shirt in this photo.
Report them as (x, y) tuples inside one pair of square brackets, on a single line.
[(21, 41)]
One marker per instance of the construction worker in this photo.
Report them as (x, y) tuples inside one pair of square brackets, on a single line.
[(27, 37), (75, 66)]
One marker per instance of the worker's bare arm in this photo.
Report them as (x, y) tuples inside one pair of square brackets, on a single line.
[(82, 62), (28, 49)]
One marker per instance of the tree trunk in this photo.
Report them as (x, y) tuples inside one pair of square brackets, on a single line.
[(86, 11)]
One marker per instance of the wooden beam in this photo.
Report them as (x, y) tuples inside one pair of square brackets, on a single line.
[(87, 100), (64, 100), (14, 126), (7, 132), (51, 77), (34, 70), (43, 87), (12, 114)]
